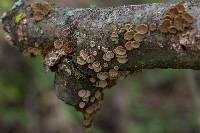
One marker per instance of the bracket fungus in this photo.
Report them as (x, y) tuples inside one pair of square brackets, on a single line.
[(141, 29)]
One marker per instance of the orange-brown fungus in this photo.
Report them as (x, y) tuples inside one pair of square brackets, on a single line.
[(172, 13), (58, 44), (66, 32), (180, 8), (164, 26), (187, 17), (169, 17), (176, 20), (178, 23), (69, 48), (31, 52), (40, 10), (172, 30)]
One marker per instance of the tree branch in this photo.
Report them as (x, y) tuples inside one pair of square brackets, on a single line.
[(89, 49)]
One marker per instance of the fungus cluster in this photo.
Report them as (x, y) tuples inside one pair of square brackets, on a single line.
[(104, 72), (89, 104), (40, 10), (114, 34), (176, 20), (108, 56), (134, 36)]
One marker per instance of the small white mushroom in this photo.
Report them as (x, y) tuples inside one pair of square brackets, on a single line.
[(85, 99), (105, 58), (116, 68), (81, 105), (113, 73), (102, 75), (97, 69), (90, 66), (102, 83), (92, 44), (96, 64), (122, 56), (105, 65), (87, 94), (80, 60), (120, 50), (128, 46), (122, 60), (104, 49), (84, 54), (95, 53), (82, 93), (99, 47), (90, 59), (110, 54)]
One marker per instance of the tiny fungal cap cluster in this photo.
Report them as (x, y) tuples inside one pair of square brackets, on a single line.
[(176, 20)]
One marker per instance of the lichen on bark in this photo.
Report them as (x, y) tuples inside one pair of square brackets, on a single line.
[(90, 49)]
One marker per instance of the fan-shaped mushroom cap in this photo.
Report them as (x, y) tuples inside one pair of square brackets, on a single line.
[(139, 37), (187, 17), (165, 25), (84, 54), (58, 44), (113, 73), (90, 59), (141, 29), (82, 105), (122, 60), (80, 60), (120, 50), (102, 75), (102, 83), (129, 35), (152, 27), (172, 30), (82, 93)]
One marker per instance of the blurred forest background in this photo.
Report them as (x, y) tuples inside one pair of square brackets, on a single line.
[(154, 101)]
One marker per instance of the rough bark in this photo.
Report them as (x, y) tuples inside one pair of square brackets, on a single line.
[(90, 30)]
